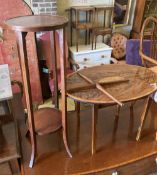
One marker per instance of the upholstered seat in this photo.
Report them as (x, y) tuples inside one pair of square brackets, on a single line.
[(118, 43)]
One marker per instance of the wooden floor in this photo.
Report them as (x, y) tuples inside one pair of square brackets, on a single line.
[(116, 144)]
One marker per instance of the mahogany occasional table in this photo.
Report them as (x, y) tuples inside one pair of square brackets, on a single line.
[(123, 82), (37, 23)]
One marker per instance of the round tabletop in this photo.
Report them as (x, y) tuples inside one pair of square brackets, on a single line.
[(133, 82), (36, 23)]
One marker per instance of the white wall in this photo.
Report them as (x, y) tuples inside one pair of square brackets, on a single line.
[(28, 2)]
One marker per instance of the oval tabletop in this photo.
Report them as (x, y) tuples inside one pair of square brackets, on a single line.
[(35, 23), (134, 82)]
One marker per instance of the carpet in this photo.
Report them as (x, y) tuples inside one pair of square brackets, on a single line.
[(70, 104)]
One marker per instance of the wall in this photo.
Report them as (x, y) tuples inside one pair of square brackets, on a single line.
[(43, 6)]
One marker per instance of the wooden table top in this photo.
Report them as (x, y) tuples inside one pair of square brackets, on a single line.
[(138, 83), (35, 23)]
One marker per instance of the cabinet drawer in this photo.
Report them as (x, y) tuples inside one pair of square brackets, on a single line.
[(91, 63), (86, 54)]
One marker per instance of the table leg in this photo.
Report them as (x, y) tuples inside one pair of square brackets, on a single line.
[(64, 96), (147, 105), (54, 64), (21, 42), (94, 122)]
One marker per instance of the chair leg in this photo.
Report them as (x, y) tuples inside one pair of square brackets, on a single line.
[(77, 108), (77, 40), (147, 105), (94, 122), (10, 167), (92, 40), (95, 38)]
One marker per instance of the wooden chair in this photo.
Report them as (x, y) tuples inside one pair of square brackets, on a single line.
[(78, 23), (104, 27), (10, 144), (149, 57)]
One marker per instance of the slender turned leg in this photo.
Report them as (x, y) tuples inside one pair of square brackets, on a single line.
[(95, 39), (92, 40), (116, 123), (143, 116), (116, 118), (21, 41), (77, 40), (86, 31), (131, 121), (71, 29), (77, 109), (64, 96), (54, 63), (94, 122), (117, 111), (9, 164)]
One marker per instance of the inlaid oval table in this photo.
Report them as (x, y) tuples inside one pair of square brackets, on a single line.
[(45, 120), (111, 84)]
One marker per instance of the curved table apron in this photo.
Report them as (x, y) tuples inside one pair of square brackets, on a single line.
[(138, 82)]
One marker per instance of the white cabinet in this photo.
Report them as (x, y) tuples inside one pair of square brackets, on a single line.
[(86, 57)]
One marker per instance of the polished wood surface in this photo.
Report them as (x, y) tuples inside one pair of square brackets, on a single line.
[(139, 84), (52, 123), (36, 23), (22, 26), (117, 149)]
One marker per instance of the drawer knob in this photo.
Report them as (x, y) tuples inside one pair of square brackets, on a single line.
[(115, 173), (85, 59), (102, 56)]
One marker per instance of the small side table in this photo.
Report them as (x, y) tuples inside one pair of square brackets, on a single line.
[(37, 23), (79, 24), (138, 84)]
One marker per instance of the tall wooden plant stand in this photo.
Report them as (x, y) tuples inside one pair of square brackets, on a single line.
[(22, 26)]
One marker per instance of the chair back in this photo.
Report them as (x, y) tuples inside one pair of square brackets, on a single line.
[(104, 17), (79, 21), (149, 34)]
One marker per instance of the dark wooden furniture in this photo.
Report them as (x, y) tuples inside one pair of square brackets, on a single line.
[(100, 85), (143, 9), (102, 27), (149, 54), (9, 51), (10, 147), (117, 149), (78, 23), (46, 120)]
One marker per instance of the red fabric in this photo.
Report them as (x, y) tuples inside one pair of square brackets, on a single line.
[(45, 46), (51, 82)]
